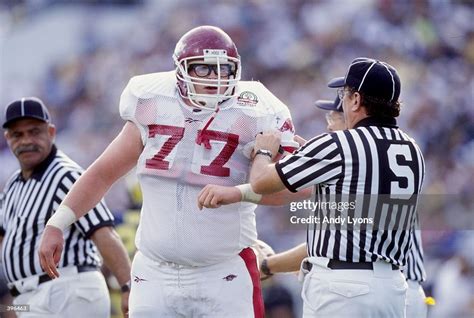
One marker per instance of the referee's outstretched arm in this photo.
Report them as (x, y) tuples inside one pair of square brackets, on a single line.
[(264, 178)]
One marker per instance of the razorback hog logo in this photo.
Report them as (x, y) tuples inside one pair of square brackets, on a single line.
[(287, 126)]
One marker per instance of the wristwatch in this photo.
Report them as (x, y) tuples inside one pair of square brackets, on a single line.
[(264, 268), (264, 152), (126, 287)]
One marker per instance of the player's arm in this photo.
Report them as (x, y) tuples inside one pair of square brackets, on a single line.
[(287, 261), (115, 258), (213, 196), (121, 155)]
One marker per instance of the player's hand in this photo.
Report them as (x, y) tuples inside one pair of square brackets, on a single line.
[(50, 250), (124, 304), (300, 140), (269, 140), (213, 196)]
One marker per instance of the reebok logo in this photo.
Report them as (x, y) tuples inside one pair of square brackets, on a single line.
[(190, 120), (230, 277)]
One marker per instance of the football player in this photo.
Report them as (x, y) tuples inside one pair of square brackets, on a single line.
[(184, 129)]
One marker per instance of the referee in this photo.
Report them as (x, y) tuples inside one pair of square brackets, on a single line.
[(369, 176), (31, 196), (414, 271)]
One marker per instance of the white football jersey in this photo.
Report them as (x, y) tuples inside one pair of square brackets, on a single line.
[(180, 158)]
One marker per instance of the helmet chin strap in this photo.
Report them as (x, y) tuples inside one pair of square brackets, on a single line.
[(207, 101), (201, 138), (210, 103)]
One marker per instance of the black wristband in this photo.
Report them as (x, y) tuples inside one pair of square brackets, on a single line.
[(126, 287), (264, 268)]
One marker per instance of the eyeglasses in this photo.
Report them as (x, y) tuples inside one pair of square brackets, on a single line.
[(341, 92), (204, 70)]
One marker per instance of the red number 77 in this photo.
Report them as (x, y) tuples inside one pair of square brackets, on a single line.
[(215, 168)]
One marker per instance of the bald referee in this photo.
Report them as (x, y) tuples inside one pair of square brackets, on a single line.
[(368, 178), (31, 196)]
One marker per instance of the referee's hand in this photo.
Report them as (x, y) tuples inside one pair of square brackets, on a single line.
[(268, 140), (50, 250)]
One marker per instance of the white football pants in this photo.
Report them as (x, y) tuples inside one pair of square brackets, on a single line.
[(164, 289), (376, 293)]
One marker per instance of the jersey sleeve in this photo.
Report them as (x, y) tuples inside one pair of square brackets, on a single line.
[(129, 102), (279, 118), (318, 161), (96, 218), (282, 121)]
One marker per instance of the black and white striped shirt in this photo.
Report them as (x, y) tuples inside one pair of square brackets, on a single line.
[(415, 269), (376, 170), (28, 205)]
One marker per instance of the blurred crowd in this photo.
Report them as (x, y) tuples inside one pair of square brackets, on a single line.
[(293, 47)]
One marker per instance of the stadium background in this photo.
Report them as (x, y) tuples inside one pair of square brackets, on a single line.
[(78, 56)]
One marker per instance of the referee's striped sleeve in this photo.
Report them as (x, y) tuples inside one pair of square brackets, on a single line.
[(414, 268), (318, 161), (96, 218)]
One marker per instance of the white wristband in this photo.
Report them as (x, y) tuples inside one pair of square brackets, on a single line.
[(62, 218), (247, 193)]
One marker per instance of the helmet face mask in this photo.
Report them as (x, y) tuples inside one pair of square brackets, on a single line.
[(207, 46)]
